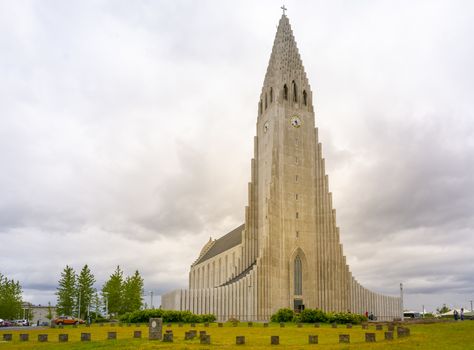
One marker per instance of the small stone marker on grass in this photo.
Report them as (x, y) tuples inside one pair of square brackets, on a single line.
[(370, 337), (193, 325), (155, 329), (282, 324), (265, 325), (234, 324), (316, 325), (312, 339), (344, 338), (379, 327), (206, 324), (349, 325), (7, 337), (275, 340), (189, 335), (168, 337), (220, 324), (391, 327), (137, 334), (24, 337), (250, 324), (85, 337), (403, 332), (63, 338), (389, 335), (42, 338), (365, 326), (111, 335), (240, 340), (206, 339)]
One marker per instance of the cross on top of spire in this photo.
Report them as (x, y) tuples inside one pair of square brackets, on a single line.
[(284, 9)]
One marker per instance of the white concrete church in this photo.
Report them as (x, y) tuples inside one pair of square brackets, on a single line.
[(287, 254)]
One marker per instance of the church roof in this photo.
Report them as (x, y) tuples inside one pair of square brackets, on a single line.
[(222, 244)]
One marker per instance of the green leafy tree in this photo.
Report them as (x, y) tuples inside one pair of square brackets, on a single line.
[(132, 293), (112, 291), (66, 292), (49, 315), (443, 309), (10, 298), (85, 290)]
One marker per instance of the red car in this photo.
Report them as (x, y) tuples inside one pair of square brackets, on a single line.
[(62, 320)]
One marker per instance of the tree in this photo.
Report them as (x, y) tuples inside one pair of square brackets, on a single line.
[(49, 315), (112, 291), (10, 298), (66, 292), (132, 293), (85, 290), (443, 309)]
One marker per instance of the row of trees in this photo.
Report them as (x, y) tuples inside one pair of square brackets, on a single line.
[(10, 298), (76, 294)]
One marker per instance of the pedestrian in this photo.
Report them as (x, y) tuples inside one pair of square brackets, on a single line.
[(455, 314), (462, 314)]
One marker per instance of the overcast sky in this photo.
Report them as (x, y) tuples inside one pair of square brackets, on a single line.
[(126, 133)]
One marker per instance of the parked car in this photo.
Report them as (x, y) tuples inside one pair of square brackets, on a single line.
[(22, 322), (6, 323), (63, 320)]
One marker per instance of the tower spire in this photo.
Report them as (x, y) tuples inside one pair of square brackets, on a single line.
[(285, 67)]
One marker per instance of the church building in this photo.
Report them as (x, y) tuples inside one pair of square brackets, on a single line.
[(287, 253)]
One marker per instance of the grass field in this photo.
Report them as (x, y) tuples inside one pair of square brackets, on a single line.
[(450, 335)]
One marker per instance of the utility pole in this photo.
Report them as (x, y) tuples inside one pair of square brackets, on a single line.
[(151, 299), (471, 306), (401, 300), (79, 306)]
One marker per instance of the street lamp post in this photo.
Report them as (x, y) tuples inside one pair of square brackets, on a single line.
[(79, 306), (401, 299), (151, 299), (106, 304)]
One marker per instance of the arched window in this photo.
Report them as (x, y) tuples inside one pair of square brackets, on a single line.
[(295, 96), (298, 276), (265, 101), (271, 95), (285, 92), (305, 98)]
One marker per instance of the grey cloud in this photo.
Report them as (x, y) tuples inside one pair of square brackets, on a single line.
[(126, 135)]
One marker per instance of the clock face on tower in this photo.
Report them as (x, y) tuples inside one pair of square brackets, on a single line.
[(295, 121)]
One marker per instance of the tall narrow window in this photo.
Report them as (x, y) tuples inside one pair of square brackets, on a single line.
[(295, 96), (265, 101), (298, 276), (285, 92), (271, 95), (305, 98)]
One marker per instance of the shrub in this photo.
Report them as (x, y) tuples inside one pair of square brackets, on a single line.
[(316, 315), (313, 316), (283, 315)]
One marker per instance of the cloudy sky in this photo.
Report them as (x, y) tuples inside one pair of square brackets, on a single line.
[(126, 131)]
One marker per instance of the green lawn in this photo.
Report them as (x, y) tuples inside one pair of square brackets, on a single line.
[(449, 335)]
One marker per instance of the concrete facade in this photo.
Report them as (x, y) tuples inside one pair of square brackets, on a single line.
[(288, 251)]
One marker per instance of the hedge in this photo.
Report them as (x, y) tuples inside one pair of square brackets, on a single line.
[(142, 316)]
